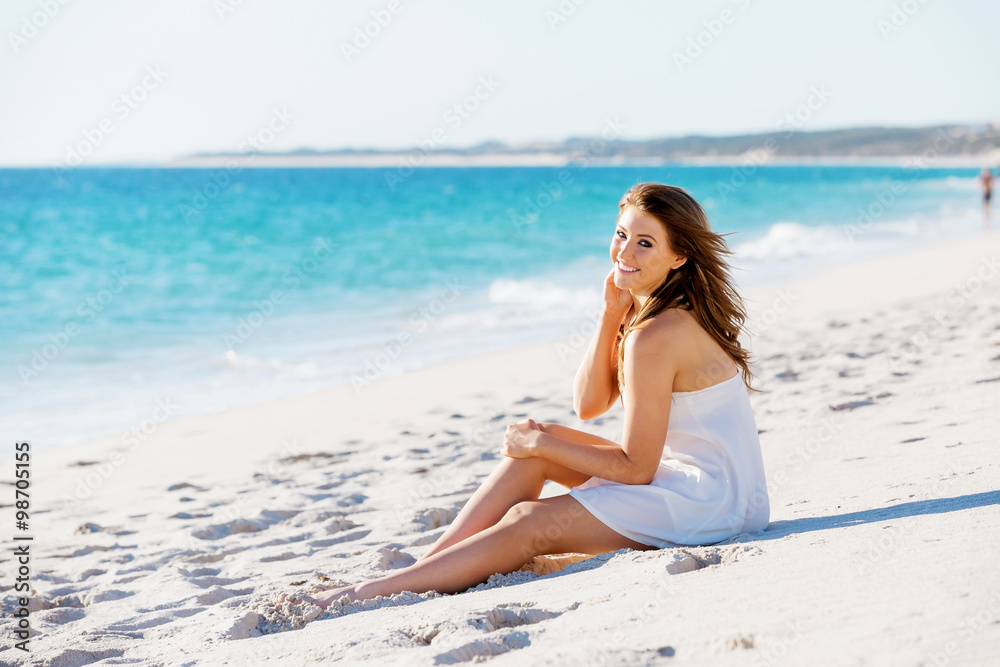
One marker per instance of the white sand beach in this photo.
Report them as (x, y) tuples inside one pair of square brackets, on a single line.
[(879, 428)]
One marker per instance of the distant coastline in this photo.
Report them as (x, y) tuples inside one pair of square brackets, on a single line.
[(943, 145)]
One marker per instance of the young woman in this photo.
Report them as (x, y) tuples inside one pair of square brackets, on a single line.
[(688, 470)]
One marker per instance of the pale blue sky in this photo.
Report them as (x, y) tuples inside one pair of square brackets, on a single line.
[(223, 76)]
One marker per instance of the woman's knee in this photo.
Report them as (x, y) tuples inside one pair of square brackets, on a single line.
[(532, 466), (520, 512)]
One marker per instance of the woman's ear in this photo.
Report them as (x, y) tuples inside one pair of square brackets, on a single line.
[(683, 261)]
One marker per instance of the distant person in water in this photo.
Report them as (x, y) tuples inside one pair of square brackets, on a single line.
[(986, 181)]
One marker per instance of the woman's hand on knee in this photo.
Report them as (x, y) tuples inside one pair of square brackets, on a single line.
[(520, 439)]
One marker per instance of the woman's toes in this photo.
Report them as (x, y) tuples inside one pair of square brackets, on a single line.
[(327, 598), (295, 599)]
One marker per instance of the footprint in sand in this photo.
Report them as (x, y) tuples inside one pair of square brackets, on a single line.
[(75, 656), (331, 458), (340, 524), (39, 603), (435, 517), (347, 537), (266, 519), (95, 596), (392, 559), (212, 558), (86, 528), (184, 485), (199, 572), (136, 624), (217, 594), (287, 555), (208, 582), (89, 549), (187, 515), (60, 615), (498, 623), (681, 563), (851, 405), (353, 499)]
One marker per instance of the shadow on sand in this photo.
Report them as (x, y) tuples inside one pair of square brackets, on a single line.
[(778, 529)]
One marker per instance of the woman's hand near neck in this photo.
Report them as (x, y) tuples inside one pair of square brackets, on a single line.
[(617, 302)]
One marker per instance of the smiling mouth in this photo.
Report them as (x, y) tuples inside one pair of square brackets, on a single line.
[(625, 268)]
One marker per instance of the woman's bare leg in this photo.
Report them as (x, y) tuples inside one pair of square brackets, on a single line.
[(512, 481), (559, 524)]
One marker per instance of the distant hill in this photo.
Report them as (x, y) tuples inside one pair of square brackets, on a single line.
[(867, 142)]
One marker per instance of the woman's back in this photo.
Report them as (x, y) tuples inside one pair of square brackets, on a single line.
[(700, 361), (710, 482)]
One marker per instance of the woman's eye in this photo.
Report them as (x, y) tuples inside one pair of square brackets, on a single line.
[(621, 234)]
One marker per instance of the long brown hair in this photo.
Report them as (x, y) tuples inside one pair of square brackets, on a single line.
[(701, 285)]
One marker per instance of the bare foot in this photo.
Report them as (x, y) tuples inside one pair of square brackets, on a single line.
[(323, 599), (326, 598)]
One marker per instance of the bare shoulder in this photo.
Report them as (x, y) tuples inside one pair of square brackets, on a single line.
[(653, 356), (670, 328), (667, 337)]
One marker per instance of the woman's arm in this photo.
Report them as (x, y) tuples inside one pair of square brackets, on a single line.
[(650, 368), (595, 388), (592, 455), (572, 434)]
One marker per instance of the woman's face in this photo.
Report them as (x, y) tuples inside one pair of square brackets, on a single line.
[(641, 254)]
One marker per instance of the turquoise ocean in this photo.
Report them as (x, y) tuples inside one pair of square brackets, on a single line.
[(123, 291)]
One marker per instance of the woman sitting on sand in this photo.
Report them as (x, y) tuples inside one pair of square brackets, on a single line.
[(689, 468)]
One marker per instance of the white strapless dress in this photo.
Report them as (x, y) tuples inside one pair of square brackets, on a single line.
[(710, 483)]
